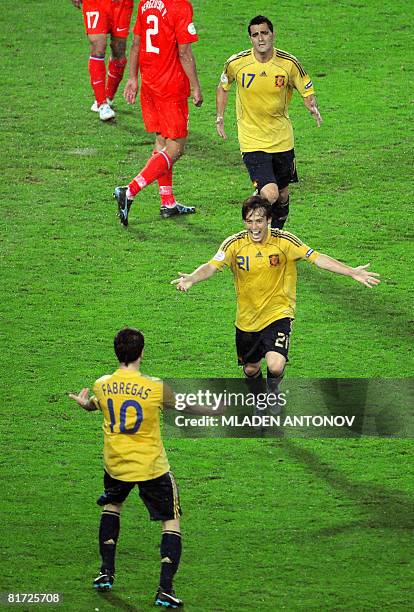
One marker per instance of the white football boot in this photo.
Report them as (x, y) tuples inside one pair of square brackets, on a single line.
[(95, 107), (106, 112)]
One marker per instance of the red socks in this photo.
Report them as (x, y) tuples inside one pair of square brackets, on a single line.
[(165, 186), (156, 167), (103, 87), (116, 69), (97, 72)]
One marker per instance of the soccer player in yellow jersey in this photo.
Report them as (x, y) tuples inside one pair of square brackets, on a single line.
[(263, 262), (266, 78), (134, 455)]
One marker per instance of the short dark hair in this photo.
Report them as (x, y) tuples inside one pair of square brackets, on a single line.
[(255, 203), (258, 20), (128, 345)]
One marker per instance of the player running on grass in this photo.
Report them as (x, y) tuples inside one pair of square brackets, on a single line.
[(266, 78), (161, 51), (103, 17), (263, 262)]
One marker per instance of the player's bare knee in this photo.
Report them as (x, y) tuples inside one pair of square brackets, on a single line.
[(270, 192), (251, 370), (275, 363), (276, 368), (283, 196), (118, 47), (179, 153), (98, 47), (175, 151), (160, 142)]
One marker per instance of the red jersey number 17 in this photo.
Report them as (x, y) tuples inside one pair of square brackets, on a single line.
[(92, 19)]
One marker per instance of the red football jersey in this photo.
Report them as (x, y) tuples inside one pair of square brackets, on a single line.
[(163, 25)]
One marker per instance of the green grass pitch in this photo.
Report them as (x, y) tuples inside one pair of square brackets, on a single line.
[(268, 524)]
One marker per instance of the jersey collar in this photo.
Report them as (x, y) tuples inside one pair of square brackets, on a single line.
[(125, 372), (269, 60)]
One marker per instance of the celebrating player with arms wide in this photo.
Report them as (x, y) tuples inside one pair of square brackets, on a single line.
[(263, 262)]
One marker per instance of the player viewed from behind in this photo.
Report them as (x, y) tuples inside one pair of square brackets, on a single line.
[(266, 78), (134, 455), (103, 17), (161, 52), (263, 262)]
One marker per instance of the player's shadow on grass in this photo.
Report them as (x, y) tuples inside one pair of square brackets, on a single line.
[(136, 230), (118, 603), (371, 306), (384, 508), (210, 146), (200, 145), (379, 407), (206, 233)]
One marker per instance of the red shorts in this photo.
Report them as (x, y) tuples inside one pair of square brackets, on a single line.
[(107, 17), (166, 116)]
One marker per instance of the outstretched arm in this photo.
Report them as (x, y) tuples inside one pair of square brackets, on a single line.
[(188, 63), (361, 273), (222, 97), (82, 399), (131, 87), (200, 274), (310, 103)]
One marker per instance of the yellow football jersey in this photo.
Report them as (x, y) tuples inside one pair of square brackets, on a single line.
[(130, 403), (264, 91), (264, 275)]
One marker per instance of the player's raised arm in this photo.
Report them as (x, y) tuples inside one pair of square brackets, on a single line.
[(131, 87), (187, 59), (185, 281), (82, 399), (311, 105), (361, 273), (222, 97)]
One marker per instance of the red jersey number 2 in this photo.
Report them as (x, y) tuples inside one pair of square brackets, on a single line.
[(150, 48)]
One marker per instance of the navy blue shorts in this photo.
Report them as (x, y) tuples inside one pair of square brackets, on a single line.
[(253, 346), (160, 495), (264, 168)]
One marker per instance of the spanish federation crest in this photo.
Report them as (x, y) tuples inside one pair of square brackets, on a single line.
[(274, 260), (279, 80)]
